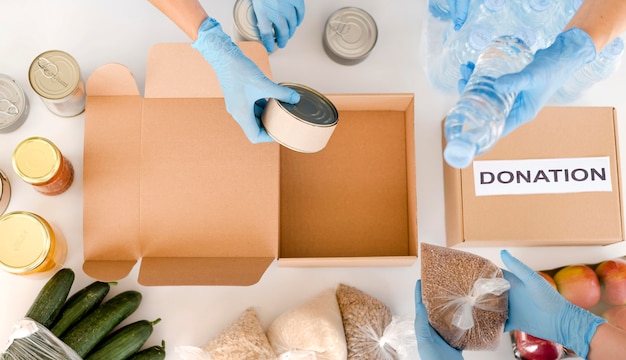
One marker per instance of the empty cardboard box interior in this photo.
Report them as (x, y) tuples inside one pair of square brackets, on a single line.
[(170, 178), (569, 211)]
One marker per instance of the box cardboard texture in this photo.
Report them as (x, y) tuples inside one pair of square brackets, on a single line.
[(171, 179), (581, 218)]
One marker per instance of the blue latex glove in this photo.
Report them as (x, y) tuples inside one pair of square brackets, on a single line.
[(430, 344), (535, 307), (244, 85), (456, 11), (540, 79), (277, 20)]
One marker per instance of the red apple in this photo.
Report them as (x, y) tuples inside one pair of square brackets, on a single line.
[(616, 315), (533, 348), (612, 275), (548, 278), (579, 284)]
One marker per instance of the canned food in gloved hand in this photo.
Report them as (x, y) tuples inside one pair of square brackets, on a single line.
[(304, 127)]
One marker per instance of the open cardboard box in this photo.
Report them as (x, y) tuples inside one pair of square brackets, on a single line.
[(172, 180), (572, 196)]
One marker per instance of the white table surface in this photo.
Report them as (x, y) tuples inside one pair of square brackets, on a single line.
[(122, 31)]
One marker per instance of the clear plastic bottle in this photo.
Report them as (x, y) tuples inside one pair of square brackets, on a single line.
[(487, 12), (547, 15), (476, 121), (460, 48), (605, 64)]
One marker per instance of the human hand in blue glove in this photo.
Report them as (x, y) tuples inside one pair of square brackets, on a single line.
[(545, 74), (535, 307), (430, 344), (277, 20), (456, 11), (244, 85)]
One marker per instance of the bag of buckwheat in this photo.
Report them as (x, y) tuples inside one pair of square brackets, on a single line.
[(465, 296), (244, 339)]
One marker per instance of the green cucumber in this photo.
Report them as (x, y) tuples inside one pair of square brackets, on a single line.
[(93, 328), (156, 352), (79, 305), (124, 342), (51, 297)]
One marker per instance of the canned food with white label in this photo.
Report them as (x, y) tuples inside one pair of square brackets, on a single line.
[(304, 127), (13, 104), (55, 77), (350, 35)]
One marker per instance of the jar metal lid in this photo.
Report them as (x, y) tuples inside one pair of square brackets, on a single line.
[(36, 160), (245, 20), (13, 103), (25, 241), (350, 34), (54, 74), (313, 107), (5, 192)]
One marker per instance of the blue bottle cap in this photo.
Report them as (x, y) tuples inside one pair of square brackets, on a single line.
[(459, 153), (540, 5), (613, 49), (479, 38)]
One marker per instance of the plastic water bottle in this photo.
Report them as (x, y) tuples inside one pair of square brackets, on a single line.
[(476, 121), (489, 12), (604, 65), (541, 14), (462, 46)]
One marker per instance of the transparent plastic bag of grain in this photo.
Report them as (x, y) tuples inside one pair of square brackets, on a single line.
[(465, 296), (31, 340)]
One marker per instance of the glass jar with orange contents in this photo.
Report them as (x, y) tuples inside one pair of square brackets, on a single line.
[(40, 163), (29, 246)]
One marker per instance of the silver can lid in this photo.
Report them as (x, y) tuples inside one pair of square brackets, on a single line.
[(54, 74), (13, 103), (313, 107), (350, 33), (245, 20)]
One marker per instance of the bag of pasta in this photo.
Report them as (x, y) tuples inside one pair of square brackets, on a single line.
[(465, 296)]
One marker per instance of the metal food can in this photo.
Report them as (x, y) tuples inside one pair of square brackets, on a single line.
[(13, 104), (55, 76), (5, 192), (40, 163), (29, 245), (350, 35), (304, 127), (245, 22)]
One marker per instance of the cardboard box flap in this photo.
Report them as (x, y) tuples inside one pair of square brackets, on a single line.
[(176, 70), (112, 122), (195, 200)]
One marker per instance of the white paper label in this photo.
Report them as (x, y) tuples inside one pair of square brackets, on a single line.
[(542, 176)]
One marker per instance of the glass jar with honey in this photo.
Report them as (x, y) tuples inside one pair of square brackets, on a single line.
[(40, 163), (29, 246)]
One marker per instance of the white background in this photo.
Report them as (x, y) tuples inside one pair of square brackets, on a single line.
[(122, 31)]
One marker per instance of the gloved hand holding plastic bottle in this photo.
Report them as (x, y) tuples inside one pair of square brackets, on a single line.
[(535, 307), (244, 85), (277, 20), (430, 344)]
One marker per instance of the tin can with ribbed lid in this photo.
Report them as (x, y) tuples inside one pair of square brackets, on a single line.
[(304, 127), (5, 192), (29, 245), (350, 35), (13, 104), (55, 76), (40, 163)]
